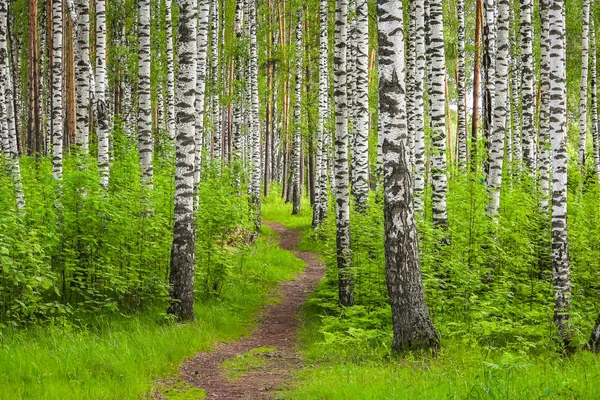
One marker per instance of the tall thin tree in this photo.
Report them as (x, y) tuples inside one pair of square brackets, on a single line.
[(182, 253)]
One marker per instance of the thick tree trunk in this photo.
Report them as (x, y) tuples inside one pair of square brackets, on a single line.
[(342, 200), (413, 328), (558, 134), (182, 253)]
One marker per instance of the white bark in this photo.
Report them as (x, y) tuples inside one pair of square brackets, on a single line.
[(144, 118)]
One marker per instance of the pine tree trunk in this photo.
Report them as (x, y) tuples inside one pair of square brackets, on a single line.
[(170, 71), (500, 100), (342, 195), (413, 328), (437, 99), (182, 254), (527, 87), (101, 87), (144, 118), (35, 136), (583, 84), (558, 134)]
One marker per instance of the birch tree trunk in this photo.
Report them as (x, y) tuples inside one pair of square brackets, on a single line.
[(296, 148), (413, 328), (8, 133), (437, 99), (489, 64), (558, 134), (544, 136), (515, 103), (461, 123), (101, 87), (583, 84), (320, 208), (255, 165), (216, 108), (182, 254), (57, 89), (170, 71), (419, 116), (499, 108), (594, 90), (342, 195), (202, 49), (144, 118), (361, 109), (82, 73), (527, 87)]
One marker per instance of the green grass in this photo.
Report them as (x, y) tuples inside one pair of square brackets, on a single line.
[(275, 210), (122, 357), (243, 363)]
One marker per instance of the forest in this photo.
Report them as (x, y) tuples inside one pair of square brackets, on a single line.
[(299, 199)]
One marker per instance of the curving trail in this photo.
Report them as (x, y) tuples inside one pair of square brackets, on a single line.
[(278, 328)]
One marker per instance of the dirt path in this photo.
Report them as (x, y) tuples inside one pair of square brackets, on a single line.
[(278, 328)]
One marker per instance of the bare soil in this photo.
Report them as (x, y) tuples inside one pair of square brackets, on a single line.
[(277, 328)]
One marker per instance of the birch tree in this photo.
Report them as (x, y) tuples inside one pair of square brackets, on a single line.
[(496, 155), (437, 99), (320, 207), (461, 118), (527, 87), (558, 134), (342, 200), (170, 70), (144, 117), (101, 87), (361, 109), (413, 328), (57, 89), (255, 165), (583, 83), (296, 142), (182, 254), (594, 101), (202, 49), (419, 110), (544, 136), (82, 82)]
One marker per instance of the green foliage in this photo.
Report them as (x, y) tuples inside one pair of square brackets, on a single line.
[(119, 357)]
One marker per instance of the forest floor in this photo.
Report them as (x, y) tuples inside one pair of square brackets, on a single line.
[(254, 367)]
